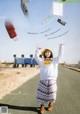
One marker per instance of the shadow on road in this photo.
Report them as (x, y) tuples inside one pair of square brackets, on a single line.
[(23, 108)]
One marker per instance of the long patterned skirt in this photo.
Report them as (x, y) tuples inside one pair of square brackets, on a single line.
[(46, 91)]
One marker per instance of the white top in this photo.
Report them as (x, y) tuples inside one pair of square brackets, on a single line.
[(50, 71)]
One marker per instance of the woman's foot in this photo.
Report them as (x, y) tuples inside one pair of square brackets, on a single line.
[(50, 107), (42, 109)]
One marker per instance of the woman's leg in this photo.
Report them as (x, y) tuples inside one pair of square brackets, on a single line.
[(50, 106), (42, 109), (52, 94)]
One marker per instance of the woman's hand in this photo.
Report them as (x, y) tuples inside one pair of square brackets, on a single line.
[(38, 47), (61, 45)]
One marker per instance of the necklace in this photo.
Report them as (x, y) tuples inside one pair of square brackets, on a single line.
[(47, 61)]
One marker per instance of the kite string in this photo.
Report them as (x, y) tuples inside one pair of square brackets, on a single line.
[(59, 35), (53, 32), (39, 32)]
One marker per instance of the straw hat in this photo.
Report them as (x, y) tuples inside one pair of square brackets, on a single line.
[(47, 49)]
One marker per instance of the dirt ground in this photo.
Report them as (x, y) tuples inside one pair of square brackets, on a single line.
[(12, 78)]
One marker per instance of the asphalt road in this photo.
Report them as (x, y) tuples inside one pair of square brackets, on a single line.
[(23, 100)]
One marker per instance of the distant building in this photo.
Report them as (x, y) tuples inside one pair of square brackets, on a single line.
[(79, 64)]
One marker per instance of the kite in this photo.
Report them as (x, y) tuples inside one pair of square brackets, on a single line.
[(58, 8), (61, 21), (46, 20), (24, 7), (69, 0), (27, 1), (53, 32), (59, 35), (10, 29), (39, 32)]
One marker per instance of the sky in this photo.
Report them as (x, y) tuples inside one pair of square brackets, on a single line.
[(38, 11)]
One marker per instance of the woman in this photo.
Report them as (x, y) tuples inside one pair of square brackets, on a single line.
[(46, 92)]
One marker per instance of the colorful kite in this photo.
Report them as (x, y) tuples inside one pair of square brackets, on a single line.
[(46, 20), (26, 1), (61, 22), (39, 32), (58, 8), (24, 7), (68, 1), (10, 29), (53, 32), (59, 35)]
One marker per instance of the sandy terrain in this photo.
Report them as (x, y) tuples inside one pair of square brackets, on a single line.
[(12, 78)]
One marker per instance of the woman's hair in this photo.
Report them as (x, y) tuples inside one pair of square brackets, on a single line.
[(51, 56)]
